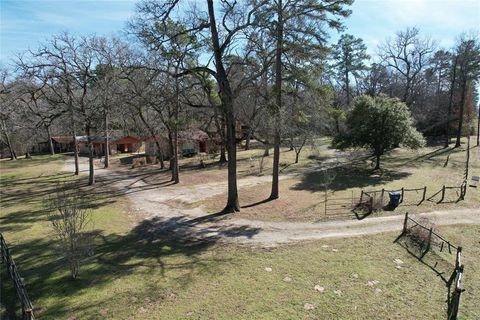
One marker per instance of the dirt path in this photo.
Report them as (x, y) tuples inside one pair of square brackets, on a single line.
[(150, 203)]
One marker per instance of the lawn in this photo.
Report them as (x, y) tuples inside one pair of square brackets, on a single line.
[(140, 273), (302, 195)]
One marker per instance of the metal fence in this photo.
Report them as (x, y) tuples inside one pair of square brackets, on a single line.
[(6, 258)]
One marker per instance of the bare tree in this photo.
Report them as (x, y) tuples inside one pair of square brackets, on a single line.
[(6, 112), (70, 219), (408, 54)]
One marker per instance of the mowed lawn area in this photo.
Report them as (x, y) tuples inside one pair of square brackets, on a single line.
[(136, 272), (302, 195)]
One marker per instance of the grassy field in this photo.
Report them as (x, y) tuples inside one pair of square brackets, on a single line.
[(302, 196), (139, 273)]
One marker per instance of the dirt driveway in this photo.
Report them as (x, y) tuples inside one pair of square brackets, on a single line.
[(151, 202)]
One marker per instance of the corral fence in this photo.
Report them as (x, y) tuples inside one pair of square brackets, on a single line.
[(6, 258), (455, 279), (429, 239), (379, 199), (337, 206), (449, 194)]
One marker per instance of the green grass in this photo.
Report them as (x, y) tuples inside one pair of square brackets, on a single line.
[(140, 273), (302, 196)]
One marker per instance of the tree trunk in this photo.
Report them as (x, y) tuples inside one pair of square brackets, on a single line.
[(247, 140), (377, 166), (159, 153), (278, 102), (75, 153), (91, 173), (266, 152), (13, 156), (460, 115), (107, 144), (226, 97), (223, 156), (450, 103), (74, 134), (175, 175), (347, 87), (49, 136), (478, 127), (172, 148)]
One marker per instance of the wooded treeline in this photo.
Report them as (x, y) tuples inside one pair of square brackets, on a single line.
[(266, 65)]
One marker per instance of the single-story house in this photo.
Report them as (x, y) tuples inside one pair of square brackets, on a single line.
[(126, 144), (190, 142)]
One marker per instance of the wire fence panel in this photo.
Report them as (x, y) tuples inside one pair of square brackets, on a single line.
[(7, 260)]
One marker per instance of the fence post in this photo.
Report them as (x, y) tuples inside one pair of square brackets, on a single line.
[(1, 248), (429, 239), (424, 193), (463, 190), (326, 199), (443, 194), (458, 259), (405, 222), (361, 197), (383, 192), (371, 204)]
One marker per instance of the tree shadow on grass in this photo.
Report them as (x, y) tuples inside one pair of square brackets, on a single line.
[(155, 248), (347, 177)]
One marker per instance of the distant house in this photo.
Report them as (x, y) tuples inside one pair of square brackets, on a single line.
[(190, 142), (126, 144)]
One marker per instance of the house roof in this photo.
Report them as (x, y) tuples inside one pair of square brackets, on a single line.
[(97, 139), (190, 134), (63, 139), (126, 140), (193, 134)]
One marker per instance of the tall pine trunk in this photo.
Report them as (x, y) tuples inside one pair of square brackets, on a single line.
[(450, 103), (226, 96), (278, 101), (478, 127), (460, 115)]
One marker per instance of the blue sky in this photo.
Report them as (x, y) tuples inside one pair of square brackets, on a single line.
[(25, 23)]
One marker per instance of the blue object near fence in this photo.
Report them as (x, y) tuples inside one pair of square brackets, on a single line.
[(395, 197)]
